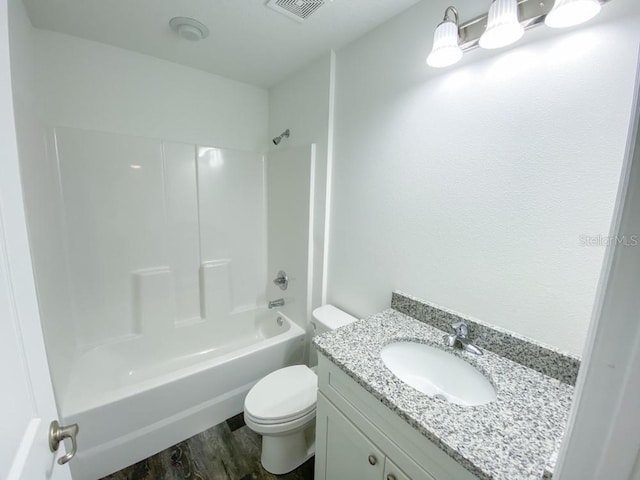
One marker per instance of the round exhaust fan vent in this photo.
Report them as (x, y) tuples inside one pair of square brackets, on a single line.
[(188, 28)]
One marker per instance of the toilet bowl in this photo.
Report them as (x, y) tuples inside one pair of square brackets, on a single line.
[(282, 406)]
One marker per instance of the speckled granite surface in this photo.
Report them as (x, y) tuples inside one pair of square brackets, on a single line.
[(511, 438), (543, 358)]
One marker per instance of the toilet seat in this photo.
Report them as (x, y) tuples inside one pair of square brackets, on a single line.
[(280, 421), (283, 396), (282, 428)]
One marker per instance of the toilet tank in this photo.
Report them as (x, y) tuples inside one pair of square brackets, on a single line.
[(325, 319), (328, 317)]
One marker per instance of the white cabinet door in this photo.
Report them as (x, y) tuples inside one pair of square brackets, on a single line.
[(345, 453), (27, 403), (392, 472)]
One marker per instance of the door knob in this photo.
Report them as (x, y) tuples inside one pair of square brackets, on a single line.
[(372, 460), (58, 433)]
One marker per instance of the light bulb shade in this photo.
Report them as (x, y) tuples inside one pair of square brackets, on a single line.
[(446, 50), (503, 27), (567, 13)]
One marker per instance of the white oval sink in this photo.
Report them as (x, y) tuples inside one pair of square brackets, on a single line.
[(437, 373)]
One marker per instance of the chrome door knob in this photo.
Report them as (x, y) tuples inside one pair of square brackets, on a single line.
[(372, 460), (391, 476), (57, 434)]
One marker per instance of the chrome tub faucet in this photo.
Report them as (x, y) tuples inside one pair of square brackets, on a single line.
[(460, 338), (276, 303)]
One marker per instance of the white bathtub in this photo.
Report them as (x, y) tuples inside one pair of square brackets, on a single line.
[(134, 398)]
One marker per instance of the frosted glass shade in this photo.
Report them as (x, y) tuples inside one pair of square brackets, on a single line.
[(446, 50), (503, 27), (567, 13)]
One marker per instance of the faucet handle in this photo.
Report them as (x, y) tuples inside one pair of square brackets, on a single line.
[(281, 280), (461, 329), (450, 340)]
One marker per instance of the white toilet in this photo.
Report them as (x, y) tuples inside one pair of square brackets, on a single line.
[(282, 406)]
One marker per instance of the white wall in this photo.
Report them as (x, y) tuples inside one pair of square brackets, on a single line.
[(93, 86), (302, 103), (470, 187)]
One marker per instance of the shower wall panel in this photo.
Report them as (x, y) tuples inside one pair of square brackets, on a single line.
[(160, 235), (112, 188), (290, 208), (232, 221), (181, 203)]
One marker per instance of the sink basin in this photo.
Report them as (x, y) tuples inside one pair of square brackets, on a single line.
[(437, 373)]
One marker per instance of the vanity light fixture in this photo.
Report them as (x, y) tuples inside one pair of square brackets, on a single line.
[(567, 13), (446, 50), (503, 25)]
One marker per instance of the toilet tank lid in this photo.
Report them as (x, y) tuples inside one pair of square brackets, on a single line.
[(332, 317)]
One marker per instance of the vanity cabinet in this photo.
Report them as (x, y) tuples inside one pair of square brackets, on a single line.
[(392, 472), (349, 453), (358, 438)]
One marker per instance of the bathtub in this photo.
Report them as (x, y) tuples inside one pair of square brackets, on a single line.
[(139, 396)]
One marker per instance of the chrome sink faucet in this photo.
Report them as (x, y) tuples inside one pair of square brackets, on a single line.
[(276, 303), (461, 338)]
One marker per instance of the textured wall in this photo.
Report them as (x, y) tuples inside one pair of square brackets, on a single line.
[(471, 187), (89, 85)]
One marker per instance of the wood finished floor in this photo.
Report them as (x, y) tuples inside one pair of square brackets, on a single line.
[(229, 451)]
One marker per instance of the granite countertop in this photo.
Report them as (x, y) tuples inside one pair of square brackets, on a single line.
[(511, 438)]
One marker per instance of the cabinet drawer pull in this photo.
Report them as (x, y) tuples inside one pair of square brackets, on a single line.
[(372, 460), (391, 476)]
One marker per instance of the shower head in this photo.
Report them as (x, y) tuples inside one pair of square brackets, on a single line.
[(278, 139)]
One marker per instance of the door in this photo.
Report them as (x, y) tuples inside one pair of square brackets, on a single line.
[(27, 402), (603, 434), (344, 451)]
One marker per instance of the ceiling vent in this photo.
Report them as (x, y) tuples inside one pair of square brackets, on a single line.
[(299, 10), (188, 28)]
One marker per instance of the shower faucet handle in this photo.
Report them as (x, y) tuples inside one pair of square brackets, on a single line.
[(281, 280)]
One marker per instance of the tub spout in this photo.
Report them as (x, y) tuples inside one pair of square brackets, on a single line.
[(276, 303)]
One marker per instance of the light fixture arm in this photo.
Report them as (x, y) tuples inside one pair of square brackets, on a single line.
[(454, 12)]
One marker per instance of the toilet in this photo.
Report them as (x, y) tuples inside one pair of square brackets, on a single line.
[(282, 406)]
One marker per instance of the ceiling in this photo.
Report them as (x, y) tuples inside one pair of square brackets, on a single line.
[(248, 41)]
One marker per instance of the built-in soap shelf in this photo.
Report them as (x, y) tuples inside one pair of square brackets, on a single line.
[(154, 297)]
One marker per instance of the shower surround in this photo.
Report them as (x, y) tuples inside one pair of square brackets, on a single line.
[(158, 234), (166, 276)]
